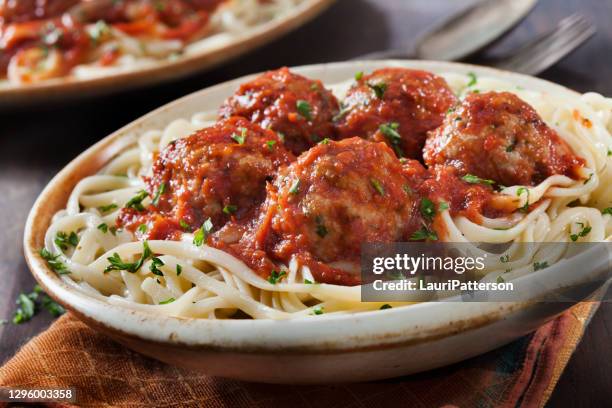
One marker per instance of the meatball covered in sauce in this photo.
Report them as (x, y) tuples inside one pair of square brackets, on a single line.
[(300, 109), (397, 106), (219, 172), (498, 136), (334, 198)]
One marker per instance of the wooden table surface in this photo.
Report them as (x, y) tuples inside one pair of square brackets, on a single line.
[(36, 142)]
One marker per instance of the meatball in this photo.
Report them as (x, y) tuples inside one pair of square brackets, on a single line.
[(335, 197), (397, 106), (300, 109), (219, 172), (496, 135)]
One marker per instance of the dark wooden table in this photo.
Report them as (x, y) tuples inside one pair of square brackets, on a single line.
[(36, 142)]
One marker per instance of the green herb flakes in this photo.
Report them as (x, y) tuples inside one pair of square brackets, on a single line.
[(160, 191), (424, 234), (379, 89), (276, 276), (64, 241), (136, 201), (377, 186), (472, 179), (304, 109), (202, 233)]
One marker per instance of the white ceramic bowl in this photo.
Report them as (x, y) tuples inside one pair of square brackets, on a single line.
[(365, 346)]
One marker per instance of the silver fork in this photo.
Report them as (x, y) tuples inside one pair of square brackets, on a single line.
[(546, 50)]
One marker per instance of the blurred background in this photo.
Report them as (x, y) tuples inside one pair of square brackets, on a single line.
[(37, 141)]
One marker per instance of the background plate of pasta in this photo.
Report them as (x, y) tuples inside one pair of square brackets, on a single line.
[(223, 232), (63, 48)]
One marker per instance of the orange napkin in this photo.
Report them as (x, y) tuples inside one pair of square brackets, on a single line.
[(69, 354)]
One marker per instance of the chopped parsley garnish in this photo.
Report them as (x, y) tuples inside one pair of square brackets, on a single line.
[(154, 267), (52, 307), (183, 224), (240, 139), (165, 302), (379, 89), (324, 141), (609, 152), (270, 144), (585, 231), (103, 227), (309, 282), (407, 189), (473, 79), (304, 109), (161, 190), (377, 186), (29, 304), (539, 265), (521, 190), (281, 136), (53, 262), (107, 208), (389, 130), (510, 147), (472, 179), (117, 264), (318, 310), (136, 201), (295, 187), (230, 209), (450, 110), (25, 310), (424, 234), (142, 228), (64, 241), (179, 270), (443, 206), (504, 258), (607, 211), (386, 306), (200, 235), (358, 76), (500, 279), (589, 179), (276, 276), (428, 210)]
